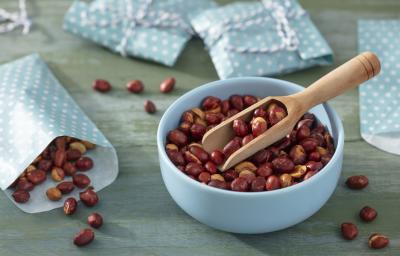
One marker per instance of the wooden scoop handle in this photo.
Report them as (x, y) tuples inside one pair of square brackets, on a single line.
[(352, 73)]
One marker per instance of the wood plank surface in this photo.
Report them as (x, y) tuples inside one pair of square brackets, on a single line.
[(140, 216)]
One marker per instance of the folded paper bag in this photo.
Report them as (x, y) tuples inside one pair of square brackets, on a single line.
[(34, 110), (155, 30), (258, 38), (380, 96)]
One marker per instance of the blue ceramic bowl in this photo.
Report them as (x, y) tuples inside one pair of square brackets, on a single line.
[(257, 212)]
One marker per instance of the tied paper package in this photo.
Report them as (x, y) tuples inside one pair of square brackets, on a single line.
[(155, 30), (36, 109), (380, 96), (261, 38)]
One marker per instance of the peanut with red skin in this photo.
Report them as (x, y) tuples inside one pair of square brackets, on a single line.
[(197, 131), (176, 157), (73, 154), (194, 169), (264, 170), (258, 184), (70, 206), (24, 185), (258, 126), (66, 187), (84, 163), (200, 153), (89, 197), (95, 220), (236, 102), (349, 230), (204, 177), (378, 241), (70, 168), (357, 182), (150, 107), (230, 175), (210, 167), (167, 85), (135, 86), (272, 183), (240, 127), (218, 184), (368, 214), (231, 147), (217, 157), (249, 100), (80, 180), (101, 85), (240, 184), (36, 176), (246, 139), (84, 237), (282, 165), (225, 106), (213, 118), (211, 102), (45, 165), (21, 196)]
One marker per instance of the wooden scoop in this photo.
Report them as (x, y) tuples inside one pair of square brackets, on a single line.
[(352, 73)]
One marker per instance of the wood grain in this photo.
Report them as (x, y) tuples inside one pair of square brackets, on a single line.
[(140, 217)]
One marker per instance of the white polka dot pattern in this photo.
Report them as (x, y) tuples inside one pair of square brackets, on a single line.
[(149, 39), (257, 35), (380, 96), (34, 109)]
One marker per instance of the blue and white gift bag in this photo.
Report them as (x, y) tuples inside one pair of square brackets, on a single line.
[(254, 38), (155, 30), (34, 110), (380, 96)]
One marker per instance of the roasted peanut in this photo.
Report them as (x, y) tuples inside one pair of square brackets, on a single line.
[(36, 176), (84, 163), (95, 220), (349, 231), (84, 237), (357, 182), (378, 241), (81, 180), (135, 86), (53, 194), (101, 85), (66, 187), (89, 197), (57, 174), (78, 146), (150, 107), (21, 196), (70, 206), (368, 214)]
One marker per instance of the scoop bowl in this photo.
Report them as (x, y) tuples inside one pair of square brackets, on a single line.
[(251, 212)]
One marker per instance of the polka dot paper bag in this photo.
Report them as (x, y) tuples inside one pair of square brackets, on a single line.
[(380, 96), (35, 109), (261, 38), (155, 30)]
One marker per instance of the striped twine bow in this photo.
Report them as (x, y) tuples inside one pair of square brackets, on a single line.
[(279, 14), (130, 20), (13, 20)]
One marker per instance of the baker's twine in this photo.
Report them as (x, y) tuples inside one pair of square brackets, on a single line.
[(13, 20)]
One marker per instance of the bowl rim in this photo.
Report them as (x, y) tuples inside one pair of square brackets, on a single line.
[(332, 114)]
